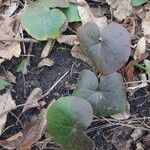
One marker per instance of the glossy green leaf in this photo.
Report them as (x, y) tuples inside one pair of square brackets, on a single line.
[(41, 22), (109, 49), (4, 84), (138, 2), (107, 97), (22, 67), (67, 119), (55, 3), (71, 13)]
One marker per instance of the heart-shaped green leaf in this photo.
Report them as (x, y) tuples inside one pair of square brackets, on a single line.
[(67, 119), (71, 13), (138, 2), (109, 49), (41, 22), (55, 3), (107, 97)]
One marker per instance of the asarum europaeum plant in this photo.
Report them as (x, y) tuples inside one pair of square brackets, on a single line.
[(47, 19), (69, 117)]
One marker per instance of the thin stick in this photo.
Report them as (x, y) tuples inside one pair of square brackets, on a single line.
[(45, 94), (18, 40)]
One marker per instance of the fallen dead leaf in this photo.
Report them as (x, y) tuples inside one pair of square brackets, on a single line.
[(10, 77), (68, 39), (140, 49), (47, 48), (33, 99), (137, 133), (77, 53), (86, 15), (6, 103), (146, 24), (46, 62), (121, 8), (30, 134), (9, 29), (129, 24)]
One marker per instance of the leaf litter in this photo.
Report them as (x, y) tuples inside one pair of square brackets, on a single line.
[(120, 11)]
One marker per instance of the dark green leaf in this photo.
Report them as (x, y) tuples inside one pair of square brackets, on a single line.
[(109, 49), (138, 2), (41, 22), (67, 119), (4, 84), (71, 13), (108, 97)]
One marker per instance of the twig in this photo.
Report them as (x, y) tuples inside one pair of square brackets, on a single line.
[(18, 40), (45, 94)]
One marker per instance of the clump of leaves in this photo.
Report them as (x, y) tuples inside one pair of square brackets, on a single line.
[(67, 120), (46, 19), (108, 49), (107, 96)]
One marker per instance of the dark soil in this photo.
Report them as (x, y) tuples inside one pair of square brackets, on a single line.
[(106, 138)]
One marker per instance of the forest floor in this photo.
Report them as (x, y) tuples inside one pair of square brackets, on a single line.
[(107, 133)]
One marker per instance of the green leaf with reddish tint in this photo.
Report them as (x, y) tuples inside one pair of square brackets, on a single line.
[(72, 13), (109, 49), (107, 97), (138, 2), (41, 22), (67, 119)]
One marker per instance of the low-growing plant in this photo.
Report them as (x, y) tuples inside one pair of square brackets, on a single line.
[(105, 96), (47, 19)]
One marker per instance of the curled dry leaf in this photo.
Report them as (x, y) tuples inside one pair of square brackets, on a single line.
[(68, 39), (46, 62), (86, 15), (47, 48), (146, 24), (6, 103), (129, 24), (77, 52), (140, 49), (121, 8), (10, 77), (30, 134), (33, 99), (9, 49)]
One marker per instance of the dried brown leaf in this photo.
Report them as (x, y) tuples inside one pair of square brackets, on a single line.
[(9, 29), (140, 49), (121, 8), (33, 99), (86, 15), (46, 62), (6, 103), (30, 134), (68, 39), (146, 24)]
